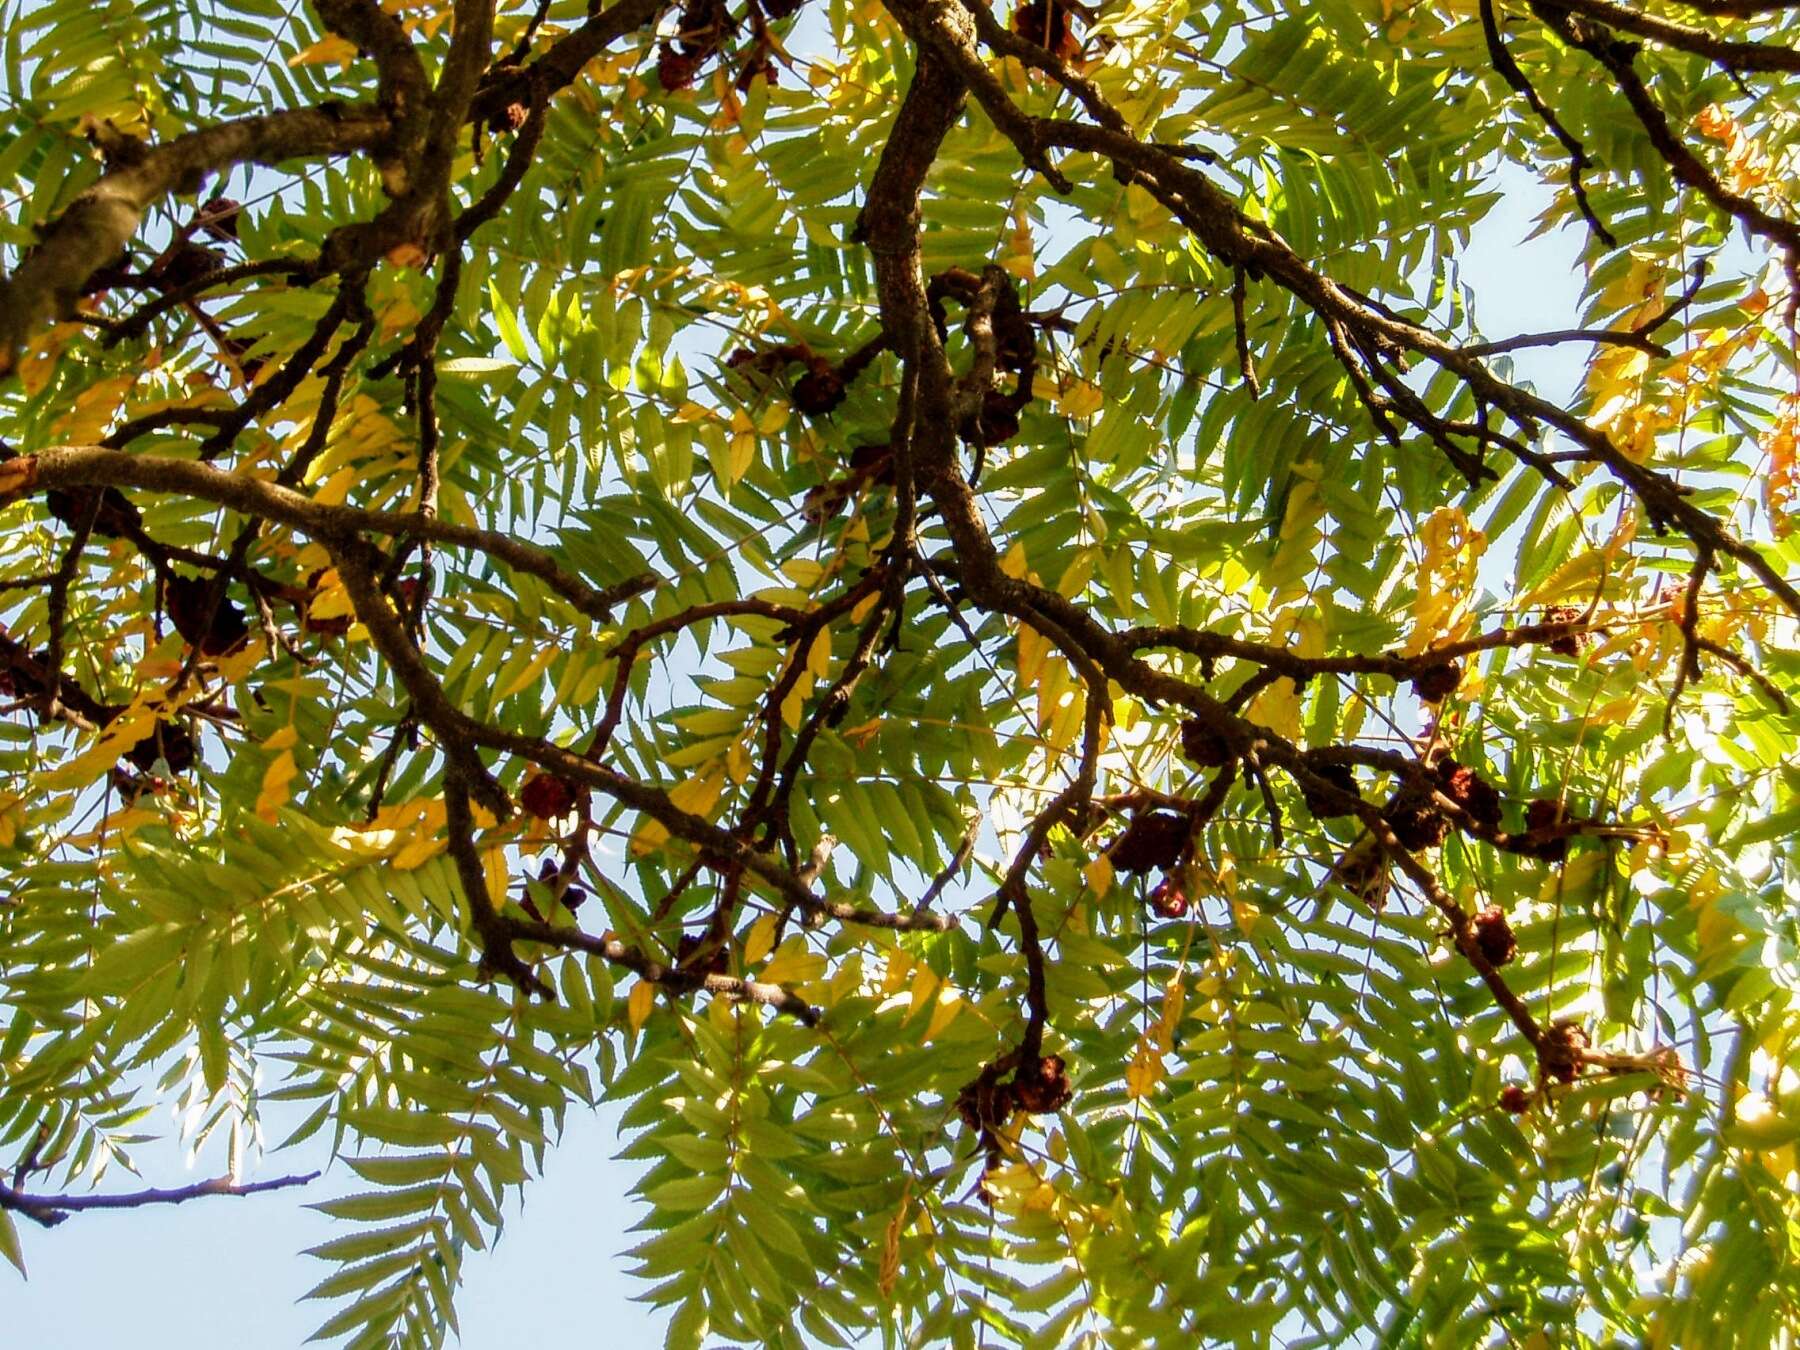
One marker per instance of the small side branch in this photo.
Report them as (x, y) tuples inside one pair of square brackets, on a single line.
[(50, 1210)]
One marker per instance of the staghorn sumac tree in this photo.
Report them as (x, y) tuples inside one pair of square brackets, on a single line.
[(949, 605)]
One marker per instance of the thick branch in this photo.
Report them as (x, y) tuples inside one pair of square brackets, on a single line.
[(101, 222)]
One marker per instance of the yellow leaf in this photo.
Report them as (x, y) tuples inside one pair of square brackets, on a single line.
[(818, 656), (1033, 648), (700, 794), (1447, 573), (533, 669), (1278, 709), (924, 987), (793, 963), (327, 51), (1099, 876), (742, 455), (803, 572), (1020, 258), (234, 666), (493, 868), (38, 362), (772, 419), (418, 852), (1079, 572), (1080, 399), (330, 599), (794, 704), (737, 762), (896, 966), (890, 1246), (93, 411), (1174, 1001), (276, 784), (1145, 1071), (949, 1003), (639, 1003), (760, 940), (649, 836), (282, 739), (1013, 564), (697, 796)]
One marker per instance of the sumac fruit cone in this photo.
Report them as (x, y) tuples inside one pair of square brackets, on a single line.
[(171, 742), (1470, 791), (1542, 815), (1566, 644), (1152, 842), (547, 797), (214, 629), (1202, 746), (115, 517), (1494, 936), (1046, 1090), (1560, 1052), (1515, 1099), (819, 391), (1436, 683), (1415, 821), (1168, 899), (1046, 22), (688, 949)]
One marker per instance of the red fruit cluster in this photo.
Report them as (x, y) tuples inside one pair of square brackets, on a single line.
[(688, 956), (820, 390), (1168, 899), (1045, 1091), (1470, 791), (704, 25), (548, 797), (1494, 936), (1046, 22), (870, 466), (1436, 683), (987, 1104), (171, 742), (110, 511), (186, 264), (997, 420), (1515, 1099), (1153, 842), (1202, 746), (24, 674), (1568, 643), (216, 629), (1543, 815), (219, 218), (1415, 820), (1560, 1052)]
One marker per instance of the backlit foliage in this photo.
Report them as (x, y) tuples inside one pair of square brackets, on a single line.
[(949, 606)]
